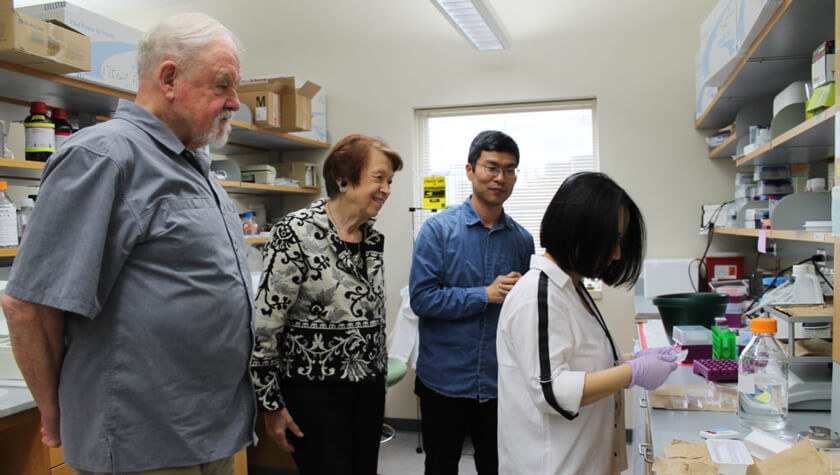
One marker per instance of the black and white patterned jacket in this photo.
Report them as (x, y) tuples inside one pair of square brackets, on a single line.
[(320, 317)]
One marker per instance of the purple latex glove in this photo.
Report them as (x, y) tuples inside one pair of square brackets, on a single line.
[(667, 353), (650, 371)]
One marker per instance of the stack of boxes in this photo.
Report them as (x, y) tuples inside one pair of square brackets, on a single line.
[(822, 80)]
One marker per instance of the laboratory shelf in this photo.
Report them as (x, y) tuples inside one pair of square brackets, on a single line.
[(8, 252), (22, 85), (784, 234), (242, 188), (810, 141), (256, 240), (21, 172), (780, 55), (725, 149)]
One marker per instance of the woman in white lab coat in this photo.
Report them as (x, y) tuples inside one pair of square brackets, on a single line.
[(561, 374)]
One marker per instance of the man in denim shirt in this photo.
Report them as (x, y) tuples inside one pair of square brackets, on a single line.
[(466, 260)]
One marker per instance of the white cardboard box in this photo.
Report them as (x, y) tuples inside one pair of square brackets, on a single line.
[(113, 58), (752, 17), (719, 48)]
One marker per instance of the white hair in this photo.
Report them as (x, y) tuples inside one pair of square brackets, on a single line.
[(180, 37)]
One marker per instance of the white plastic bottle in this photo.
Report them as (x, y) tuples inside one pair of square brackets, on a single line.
[(8, 219), (763, 379), (24, 214)]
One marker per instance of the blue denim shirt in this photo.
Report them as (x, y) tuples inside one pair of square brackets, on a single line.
[(455, 258)]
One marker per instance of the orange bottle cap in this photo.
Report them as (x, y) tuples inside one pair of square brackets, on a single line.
[(763, 325), (3, 185)]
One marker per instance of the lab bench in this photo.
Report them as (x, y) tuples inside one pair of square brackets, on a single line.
[(654, 429), (21, 450)]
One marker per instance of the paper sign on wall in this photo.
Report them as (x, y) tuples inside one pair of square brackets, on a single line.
[(434, 192)]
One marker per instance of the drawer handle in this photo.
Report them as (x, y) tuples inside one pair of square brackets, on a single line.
[(644, 451), (643, 402)]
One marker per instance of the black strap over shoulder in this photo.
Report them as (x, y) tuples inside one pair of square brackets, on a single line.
[(545, 364)]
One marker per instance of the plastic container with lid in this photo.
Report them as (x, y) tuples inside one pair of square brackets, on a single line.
[(763, 379), (250, 227), (8, 219)]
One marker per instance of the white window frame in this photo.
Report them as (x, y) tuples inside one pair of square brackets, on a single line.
[(422, 168)]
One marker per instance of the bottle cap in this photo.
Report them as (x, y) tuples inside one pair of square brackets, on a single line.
[(763, 325), (3, 185), (38, 108), (59, 114)]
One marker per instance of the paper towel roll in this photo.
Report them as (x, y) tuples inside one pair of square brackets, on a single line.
[(793, 94)]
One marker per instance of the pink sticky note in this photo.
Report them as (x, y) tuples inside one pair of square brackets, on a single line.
[(762, 242)]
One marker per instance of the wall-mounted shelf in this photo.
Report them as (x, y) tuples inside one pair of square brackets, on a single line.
[(242, 188), (725, 149), (780, 55), (256, 240), (789, 235), (810, 141), (8, 252), (21, 172), (21, 85)]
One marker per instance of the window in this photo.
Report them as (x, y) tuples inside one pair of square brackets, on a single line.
[(555, 140)]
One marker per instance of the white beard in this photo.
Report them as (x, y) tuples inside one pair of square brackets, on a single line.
[(217, 136)]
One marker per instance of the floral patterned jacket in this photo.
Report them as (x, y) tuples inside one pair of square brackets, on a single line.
[(320, 316)]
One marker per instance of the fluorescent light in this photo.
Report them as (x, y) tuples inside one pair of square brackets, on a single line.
[(476, 21)]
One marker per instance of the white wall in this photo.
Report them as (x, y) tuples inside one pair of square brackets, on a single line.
[(379, 59)]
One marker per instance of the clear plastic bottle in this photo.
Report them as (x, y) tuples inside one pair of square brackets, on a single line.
[(24, 214), (763, 379), (8, 219)]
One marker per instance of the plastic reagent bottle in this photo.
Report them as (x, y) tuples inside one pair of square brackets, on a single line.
[(763, 379), (39, 132), (24, 214), (63, 129), (8, 219)]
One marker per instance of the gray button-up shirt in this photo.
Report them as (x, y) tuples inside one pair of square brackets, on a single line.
[(143, 252)]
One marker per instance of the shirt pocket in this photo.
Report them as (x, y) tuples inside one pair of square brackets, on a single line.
[(192, 234)]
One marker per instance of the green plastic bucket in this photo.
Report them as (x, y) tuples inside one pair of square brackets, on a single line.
[(693, 308)]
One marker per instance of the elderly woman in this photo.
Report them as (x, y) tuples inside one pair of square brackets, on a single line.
[(319, 363), (561, 374)]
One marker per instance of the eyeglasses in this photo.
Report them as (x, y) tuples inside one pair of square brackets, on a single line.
[(494, 170)]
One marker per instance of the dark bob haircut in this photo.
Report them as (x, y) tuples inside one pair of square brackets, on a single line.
[(492, 141), (348, 158), (580, 230)]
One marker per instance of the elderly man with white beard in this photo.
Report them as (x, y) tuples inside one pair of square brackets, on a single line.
[(130, 301)]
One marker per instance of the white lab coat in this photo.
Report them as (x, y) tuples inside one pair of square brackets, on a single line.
[(533, 437)]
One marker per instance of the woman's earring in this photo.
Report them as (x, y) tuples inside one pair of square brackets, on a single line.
[(342, 187)]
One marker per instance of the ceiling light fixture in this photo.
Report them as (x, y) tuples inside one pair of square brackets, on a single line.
[(476, 21)]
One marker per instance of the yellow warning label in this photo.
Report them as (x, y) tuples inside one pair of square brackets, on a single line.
[(434, 192)]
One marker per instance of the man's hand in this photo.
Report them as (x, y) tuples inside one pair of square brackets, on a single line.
[(51, 435), (276, 424), (498, 290)]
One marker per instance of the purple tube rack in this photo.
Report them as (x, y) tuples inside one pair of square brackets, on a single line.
[(717, 370)]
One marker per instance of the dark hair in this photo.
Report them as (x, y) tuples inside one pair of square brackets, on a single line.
[(492, 141), (349, 156), (580, 229)]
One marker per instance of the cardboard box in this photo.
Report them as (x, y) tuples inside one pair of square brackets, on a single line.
[(822, 64), (719, 48), (113, 45), (295, 102), (265, 107), (319, 119), (40, 45), (298, 171), (752, 16)]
